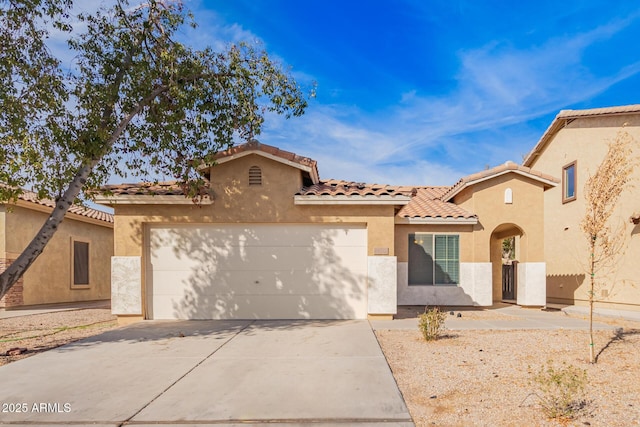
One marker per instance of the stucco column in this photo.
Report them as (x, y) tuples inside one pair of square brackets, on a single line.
[(126, 287), (382, 285), (532, 288)]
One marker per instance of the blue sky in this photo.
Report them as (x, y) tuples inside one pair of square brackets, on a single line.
[(424, 92)]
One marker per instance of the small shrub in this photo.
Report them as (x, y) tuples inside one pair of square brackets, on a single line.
[(562, 390), (431, 323)]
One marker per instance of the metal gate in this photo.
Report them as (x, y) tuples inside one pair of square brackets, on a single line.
[(509, 280)]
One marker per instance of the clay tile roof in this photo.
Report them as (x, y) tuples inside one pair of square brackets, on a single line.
[(498, 170), (623, 109), (168, 188), (427, 203), (31, 197), (254, 145), (334, 187)]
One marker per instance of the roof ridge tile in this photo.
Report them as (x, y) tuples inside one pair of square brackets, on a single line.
[(32, 197)]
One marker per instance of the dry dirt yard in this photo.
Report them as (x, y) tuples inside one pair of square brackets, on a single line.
[(467, 378), (485, 377), (24, 336)]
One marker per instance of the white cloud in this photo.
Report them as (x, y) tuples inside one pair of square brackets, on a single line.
[(435, 140), (213, 31)]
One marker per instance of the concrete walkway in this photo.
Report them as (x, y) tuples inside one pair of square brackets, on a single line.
[(210, 372), (604, 312), (501, 318), (51, 308)]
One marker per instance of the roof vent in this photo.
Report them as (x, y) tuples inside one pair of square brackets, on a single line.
[(255, 175)]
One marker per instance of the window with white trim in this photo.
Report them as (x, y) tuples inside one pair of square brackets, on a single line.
[(569, 182), (79, 263), (434, 259)]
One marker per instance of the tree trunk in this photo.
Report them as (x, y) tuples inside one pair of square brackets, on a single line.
[(13, 273), (592, 358)]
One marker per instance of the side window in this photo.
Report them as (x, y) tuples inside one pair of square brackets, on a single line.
[(569, 181), (434, 259), (420, 259), (447, 262), (255, 175), (79, 263)]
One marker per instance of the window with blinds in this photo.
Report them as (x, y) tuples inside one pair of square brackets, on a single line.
[(80, 260), (434, 259)]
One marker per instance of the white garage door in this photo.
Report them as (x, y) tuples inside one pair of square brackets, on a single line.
[(244, 271)]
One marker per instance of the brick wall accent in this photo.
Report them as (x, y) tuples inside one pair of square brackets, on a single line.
[(13, 298)]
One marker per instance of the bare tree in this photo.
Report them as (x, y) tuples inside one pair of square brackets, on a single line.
[(602, 192)]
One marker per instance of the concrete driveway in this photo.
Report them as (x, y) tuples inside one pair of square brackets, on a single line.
[(209, 372)]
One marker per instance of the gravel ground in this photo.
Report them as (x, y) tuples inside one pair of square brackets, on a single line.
[(467, 378), (36, 333), (485, 378)]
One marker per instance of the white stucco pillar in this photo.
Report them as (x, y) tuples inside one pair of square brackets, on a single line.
[(126, 285), (476, 281), (532, 284), (382, 293)]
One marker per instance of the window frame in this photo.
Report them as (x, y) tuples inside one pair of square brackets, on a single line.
[(72, 270), (433, 258), (565, 182)]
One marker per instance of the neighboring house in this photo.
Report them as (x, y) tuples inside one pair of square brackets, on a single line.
[(75, 264), (270, 239), (572, 148)]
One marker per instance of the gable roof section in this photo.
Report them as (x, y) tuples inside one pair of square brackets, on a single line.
[(427, 207), (566, 116), (274, 153), (509, 167), (416, 205), (335, 191), (29, 199)]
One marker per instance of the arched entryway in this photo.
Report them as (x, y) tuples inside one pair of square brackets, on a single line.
[(504, 258)]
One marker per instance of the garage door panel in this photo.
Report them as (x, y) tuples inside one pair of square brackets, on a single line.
[(298, 282), (258, 271), (167, 258), (257, 258), (355, 257), (235, 235), (260, 307)]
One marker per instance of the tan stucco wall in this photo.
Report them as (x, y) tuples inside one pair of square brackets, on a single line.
[(49, 278), (497, 220), (237, 202), (566, 251), (245, 203), (130, 221), (486, 199), (3, 237)]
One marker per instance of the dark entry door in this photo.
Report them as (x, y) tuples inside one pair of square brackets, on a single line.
[(509, 281)]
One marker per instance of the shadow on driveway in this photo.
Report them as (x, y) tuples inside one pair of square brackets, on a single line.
[(211, 372)]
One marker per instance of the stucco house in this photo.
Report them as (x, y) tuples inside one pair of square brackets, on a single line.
[(272, 240), (572, 148), (75, 265)]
